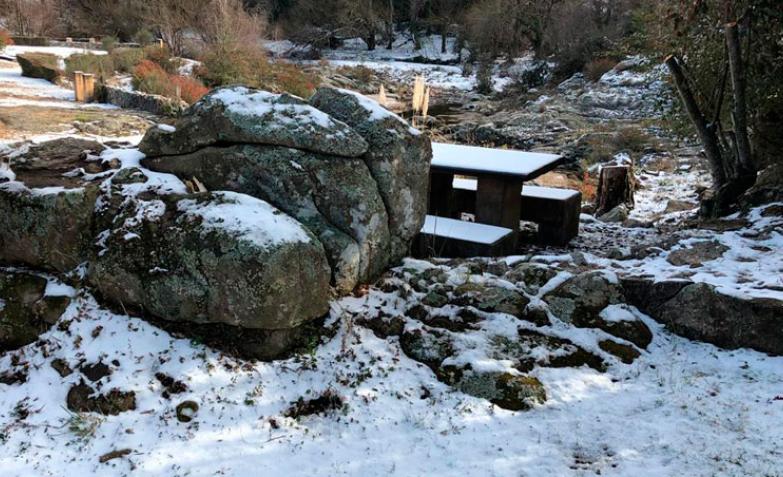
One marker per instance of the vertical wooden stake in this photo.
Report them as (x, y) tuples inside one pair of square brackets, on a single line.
[(89, 88), (78, 85)]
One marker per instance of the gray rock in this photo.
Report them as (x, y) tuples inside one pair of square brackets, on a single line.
[(581, 298), (768, 187), (616, 215), (45, 228), (210, 258), (25, 312), (398, 157), (697, 253), (336, 198), (246, 116), (701, 312)]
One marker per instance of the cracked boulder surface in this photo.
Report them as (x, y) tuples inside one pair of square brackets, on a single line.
[(356, 176), (471, 322)]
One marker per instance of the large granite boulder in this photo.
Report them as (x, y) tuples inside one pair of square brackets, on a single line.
[(702, 312), (238, 115), (218, 258), (334, 197), (398, 157), (47, 211), (40, 65), (25, 310), (768, 187)]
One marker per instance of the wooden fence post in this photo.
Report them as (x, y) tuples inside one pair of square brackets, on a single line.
[(78, 86), (89, 88)]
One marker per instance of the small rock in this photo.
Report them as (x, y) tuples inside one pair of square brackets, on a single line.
[(62, 368), (697, 253), (618, 214), (114, 402), (186, 411), (625, 353), (95, 371)]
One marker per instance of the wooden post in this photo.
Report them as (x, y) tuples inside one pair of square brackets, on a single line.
[(441, 185), (160, 43), (78, 86), (498, 203), (615, 187), (89, 88)]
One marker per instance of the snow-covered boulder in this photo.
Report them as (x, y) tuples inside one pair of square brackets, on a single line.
[(216, 258), (239, 115), (398, 158), (334, 197)]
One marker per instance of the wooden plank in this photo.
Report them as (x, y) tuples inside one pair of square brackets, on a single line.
[(440, 194), (497, 203), (474, 161)]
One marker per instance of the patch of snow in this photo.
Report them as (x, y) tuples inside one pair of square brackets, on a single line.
[(249, 218), (166, 128), (61, 51), (617, 313)]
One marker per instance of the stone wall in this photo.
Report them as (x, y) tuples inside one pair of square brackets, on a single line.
[(151, 103)]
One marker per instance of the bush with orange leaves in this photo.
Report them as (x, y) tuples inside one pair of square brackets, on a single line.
[(5, 39), (150, 77)]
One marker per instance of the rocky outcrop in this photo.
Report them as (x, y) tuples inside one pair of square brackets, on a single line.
[(47, 212), (151, 103), (398, 158), (211, 258), (280, 207), (334, 197), (40, 65), (25, 310), (768, 187), (700, 311), (354, 174), (239, 115)]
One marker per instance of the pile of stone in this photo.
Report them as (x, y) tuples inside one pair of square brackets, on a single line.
[(296, 202)]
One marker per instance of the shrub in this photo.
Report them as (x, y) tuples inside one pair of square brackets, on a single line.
[(109, 43), (595, 69), (161, 56), (249, 66), (102, 66), (125, 59), (5, 39), (190, 89), (149, 77), (143, 37), (289, 78)]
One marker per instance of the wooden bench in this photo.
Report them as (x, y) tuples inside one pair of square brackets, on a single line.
[(556, 211), (445, 237)]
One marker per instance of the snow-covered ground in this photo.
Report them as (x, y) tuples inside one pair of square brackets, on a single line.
[(682, 408), (61, 51), (403, 48)]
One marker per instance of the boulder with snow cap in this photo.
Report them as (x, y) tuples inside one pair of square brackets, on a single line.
[(336, 198), (46, 210), (398, 157), (221, 258), (239, 115)]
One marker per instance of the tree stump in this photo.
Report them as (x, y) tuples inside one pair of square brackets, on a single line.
[(615, 187)]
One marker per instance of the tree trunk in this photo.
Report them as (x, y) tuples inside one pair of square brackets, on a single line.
[(705, 131), (444, 29), (740, 111), (615, 187)]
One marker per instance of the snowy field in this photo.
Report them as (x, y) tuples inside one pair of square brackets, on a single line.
[(683, 408)]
